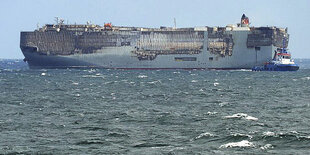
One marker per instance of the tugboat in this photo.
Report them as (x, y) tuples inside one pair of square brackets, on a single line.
[(281, 62)]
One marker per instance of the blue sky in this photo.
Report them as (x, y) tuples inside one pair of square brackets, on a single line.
[(24, 15)]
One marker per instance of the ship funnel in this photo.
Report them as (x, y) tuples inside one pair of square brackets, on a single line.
[(244, 21)]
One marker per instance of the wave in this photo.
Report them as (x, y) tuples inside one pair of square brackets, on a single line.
[(142, 76), (92, 76), (242, 116), (150, 145), (237, 135), (292, 135), (115, 134), (88, 142), (211, 113), (222, 104), (243, 143), (154, 82), (202, 135), (267, 146), (75, 83), (306, 78), (215, 84), (268, 133)]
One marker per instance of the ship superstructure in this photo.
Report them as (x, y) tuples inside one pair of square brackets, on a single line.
[(231, 47)]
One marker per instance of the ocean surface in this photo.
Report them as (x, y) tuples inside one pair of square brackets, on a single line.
[(102, 111)]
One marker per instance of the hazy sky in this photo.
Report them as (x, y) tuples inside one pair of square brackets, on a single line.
[(24, 15)]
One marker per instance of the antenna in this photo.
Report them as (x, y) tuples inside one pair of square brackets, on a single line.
[(61, 22), (175, 23), (283, 43), (56, 20)]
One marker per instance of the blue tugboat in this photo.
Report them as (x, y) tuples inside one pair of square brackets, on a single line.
[(281, 62)]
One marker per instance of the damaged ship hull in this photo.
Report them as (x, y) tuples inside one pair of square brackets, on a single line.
[(80, 46)]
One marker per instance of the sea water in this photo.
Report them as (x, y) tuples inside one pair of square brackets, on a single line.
[(103, 111)]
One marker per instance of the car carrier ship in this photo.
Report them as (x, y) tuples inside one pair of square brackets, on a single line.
[(92, 46)]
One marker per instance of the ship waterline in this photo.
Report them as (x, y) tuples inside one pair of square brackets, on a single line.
[(230, 47)]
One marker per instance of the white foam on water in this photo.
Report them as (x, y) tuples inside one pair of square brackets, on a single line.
[(241, 135), (306, 78), (251, 118), (194, 81), (222, 104), (243, 143), (153, 82), (269, 133), (142, 76), (245, 70), (294, 132), (92, 76), (81, 115), (205, 134), (215, 84), (91, 71), (211, 113), (243, 116), (267, 146), (75, 83), (108, 82)]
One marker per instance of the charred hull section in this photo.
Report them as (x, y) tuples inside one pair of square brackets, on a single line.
[(36, 60), (62, 46), (266, 36)]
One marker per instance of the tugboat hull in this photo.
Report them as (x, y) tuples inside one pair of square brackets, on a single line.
[(277, 67)]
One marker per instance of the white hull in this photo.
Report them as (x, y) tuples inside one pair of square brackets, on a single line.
[(122, 57)]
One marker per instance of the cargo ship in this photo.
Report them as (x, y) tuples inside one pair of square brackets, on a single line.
[(237, 46)]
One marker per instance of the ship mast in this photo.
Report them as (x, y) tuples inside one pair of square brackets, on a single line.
[(175, 23)]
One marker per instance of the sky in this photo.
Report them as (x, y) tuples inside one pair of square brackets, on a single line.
[(25, 15)]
